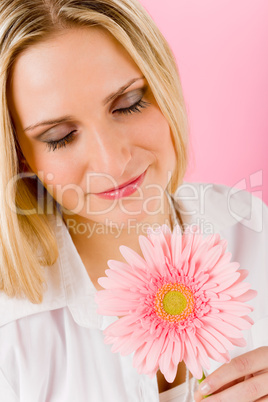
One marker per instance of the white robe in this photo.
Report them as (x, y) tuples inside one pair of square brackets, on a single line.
[(54, 351)]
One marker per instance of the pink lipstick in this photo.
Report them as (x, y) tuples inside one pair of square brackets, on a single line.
[(123, 191)]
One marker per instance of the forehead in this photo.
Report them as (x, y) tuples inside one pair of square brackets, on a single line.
[(71, 51), (70, 65)]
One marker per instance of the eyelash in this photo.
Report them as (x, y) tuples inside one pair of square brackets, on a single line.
[(70, 137)]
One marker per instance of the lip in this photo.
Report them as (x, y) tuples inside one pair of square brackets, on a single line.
[(124, 190), (121, 186)]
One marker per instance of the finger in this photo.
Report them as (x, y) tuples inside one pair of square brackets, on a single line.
[(197, 396), (239, 367), (253, 389)]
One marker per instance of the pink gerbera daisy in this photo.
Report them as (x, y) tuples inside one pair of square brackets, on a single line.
[(183, 301)]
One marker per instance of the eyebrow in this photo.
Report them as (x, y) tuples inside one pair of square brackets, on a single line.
[(64, 119)]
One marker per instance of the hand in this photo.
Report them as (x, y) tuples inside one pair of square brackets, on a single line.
[(243, 379)]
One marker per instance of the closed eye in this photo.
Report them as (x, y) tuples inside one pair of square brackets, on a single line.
[(133, 108), (136, 107), (61, 143)]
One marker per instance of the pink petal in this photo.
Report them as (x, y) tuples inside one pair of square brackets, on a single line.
[(161, 239), (124, 270), (119, 280), (165, 358), (119, 294), (159, 256), (211, 339), (131, 342), (210, 258), (225, 269), (223, 261), (220, 337), (195, 263), (209, 285), (166, 230), (233, 307), (224, 244), (150, 254), (246, 317), (198, 244), (243, 274), (177, 353), (226, 284), (228, 273), (193, 341), (154, 353), (223, 297), (211, 351), (139, 357), (222, 327), (190, 350), (194, 366), (171, 372), (165, 240), (250, 294), (133, 258), (202, 280), (241, 342), (186, 252), (187, 238), (105, 283), (238, 290), (123, 326), (212, 240), (192, 268), (237, 322), (116, 307), (119, 266), (202, 355)]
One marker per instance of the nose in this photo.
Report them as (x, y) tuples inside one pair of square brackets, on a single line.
[(109, 154)]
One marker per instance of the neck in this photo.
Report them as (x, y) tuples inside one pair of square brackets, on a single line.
[(101, 242)]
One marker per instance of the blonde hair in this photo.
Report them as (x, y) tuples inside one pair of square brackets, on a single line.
[(27, 22)]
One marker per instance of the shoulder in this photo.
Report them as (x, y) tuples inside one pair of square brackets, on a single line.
[(14, 308), (220, 206)]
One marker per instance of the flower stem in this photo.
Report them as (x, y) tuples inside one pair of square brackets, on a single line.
[(202, 379)]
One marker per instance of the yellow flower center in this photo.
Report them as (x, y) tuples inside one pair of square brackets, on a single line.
[(174, 302)]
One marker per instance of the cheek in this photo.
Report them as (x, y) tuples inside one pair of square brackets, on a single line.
[(63, 181), (60, 177), (65, 190), (53, 168), (156, 136)]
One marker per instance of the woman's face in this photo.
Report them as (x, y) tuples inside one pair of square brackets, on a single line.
[(68, 80)]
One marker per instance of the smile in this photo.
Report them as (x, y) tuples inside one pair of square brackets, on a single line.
[(123, 191)]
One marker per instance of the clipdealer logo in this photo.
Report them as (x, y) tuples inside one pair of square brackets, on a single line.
[(253, 221)]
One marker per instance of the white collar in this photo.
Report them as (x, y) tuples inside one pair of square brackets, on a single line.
[(214, 206)]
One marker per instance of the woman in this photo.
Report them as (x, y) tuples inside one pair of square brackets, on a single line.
[(94, 142)]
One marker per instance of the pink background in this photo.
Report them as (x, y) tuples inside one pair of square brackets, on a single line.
[(221, 48)]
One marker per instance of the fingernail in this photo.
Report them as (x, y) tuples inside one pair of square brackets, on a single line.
[(204, 388)]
